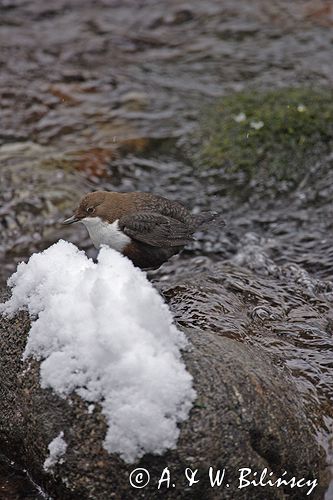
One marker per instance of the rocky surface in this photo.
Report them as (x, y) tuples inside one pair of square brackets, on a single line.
[(109, 95), (248, 414)]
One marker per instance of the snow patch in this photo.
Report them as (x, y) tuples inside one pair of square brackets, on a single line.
[(102, 331), (90, 409), (57, 448)]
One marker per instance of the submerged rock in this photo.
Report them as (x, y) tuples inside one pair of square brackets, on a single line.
[(274, 136), (248, 413)]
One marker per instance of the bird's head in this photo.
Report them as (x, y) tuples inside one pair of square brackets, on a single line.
[(91, 205)]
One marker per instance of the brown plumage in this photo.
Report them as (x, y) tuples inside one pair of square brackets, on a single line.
[(147, 228)]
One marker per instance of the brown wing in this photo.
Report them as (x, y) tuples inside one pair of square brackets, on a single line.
[(155, 229)]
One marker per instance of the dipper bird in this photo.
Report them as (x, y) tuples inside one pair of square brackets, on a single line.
[(146, 228)]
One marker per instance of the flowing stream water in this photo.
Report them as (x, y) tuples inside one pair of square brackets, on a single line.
[(109, 94)]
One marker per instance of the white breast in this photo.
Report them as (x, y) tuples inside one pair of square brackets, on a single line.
[(103, 233)]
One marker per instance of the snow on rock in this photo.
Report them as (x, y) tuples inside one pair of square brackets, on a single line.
[(103, 331), (57, 448)]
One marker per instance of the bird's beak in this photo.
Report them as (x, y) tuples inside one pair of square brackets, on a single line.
[(71, 220)]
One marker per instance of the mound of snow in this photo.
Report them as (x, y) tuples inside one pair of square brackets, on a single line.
[(102, 330)]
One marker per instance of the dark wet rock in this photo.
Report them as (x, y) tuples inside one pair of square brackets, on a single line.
[(282, 310), (73, 82), (248, 414)]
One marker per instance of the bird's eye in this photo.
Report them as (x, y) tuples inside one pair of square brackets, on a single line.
[(90, 210)]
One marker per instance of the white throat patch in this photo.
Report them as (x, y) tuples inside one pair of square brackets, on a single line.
[(104, 233)]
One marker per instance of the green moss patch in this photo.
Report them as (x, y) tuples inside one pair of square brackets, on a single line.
[(279, 133)]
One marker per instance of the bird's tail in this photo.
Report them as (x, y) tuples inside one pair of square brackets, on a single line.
[(208, 218)]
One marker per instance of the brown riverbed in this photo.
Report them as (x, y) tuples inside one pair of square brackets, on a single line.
[(108, 94)]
